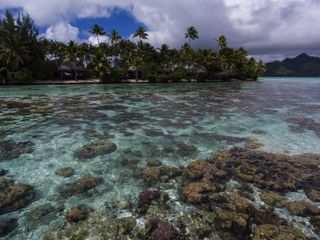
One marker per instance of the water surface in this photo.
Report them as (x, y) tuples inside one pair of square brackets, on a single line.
[(283, 114)]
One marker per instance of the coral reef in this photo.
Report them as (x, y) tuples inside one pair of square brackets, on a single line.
[(10, 150), (14, 196), (94, 149), (65, 172), (7, 226), (80, 186), (160, 230), (77, 214)]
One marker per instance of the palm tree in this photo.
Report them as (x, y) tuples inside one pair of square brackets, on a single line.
[(71, 52), (114, 36), (222, 42), (97, 31), (191, 34), (141, 33)]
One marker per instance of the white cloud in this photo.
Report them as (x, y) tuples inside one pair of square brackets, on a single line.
[(262, 26), (62, 32), (94, 40)]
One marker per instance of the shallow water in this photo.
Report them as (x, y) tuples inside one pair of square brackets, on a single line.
[(283, 114)]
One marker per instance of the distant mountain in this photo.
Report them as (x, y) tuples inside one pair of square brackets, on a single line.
[(300, 66)]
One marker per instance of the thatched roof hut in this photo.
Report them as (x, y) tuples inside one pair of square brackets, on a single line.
[(70, 70), (134, 73)]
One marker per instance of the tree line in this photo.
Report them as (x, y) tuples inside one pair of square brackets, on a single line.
[(25, 56)]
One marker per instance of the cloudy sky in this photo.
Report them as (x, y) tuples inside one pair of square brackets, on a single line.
[(269, 29)]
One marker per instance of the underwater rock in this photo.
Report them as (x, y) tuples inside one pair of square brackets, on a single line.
[(313, 195), (162, 173), (205, 170), (168, 149), (94, 149), (186, 150), (234, 222), (196, 225), (268, 231), (315, 221), (43, 214), (7, 226), (80, 186), (301, 124), (160, 230), (151, 201), (65, 172), (259, 217), (273, 199), (10, 150), (14, 196), (154, 163), (145, 199), (266, 169), (236, 203), (303, 209), (3, 172), (77, 214), (153, 132), (98, 227), (199, 192)]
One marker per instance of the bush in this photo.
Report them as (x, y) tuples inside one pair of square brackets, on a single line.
[(23, 76), (113, 76), (163, 78)]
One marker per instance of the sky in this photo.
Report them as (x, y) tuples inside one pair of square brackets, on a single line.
[(268, 29)]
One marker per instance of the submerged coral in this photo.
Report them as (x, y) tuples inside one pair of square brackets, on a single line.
[(94, 149), (7, 225), (77, 214), (10, 150), (14, 196), (79, 186)]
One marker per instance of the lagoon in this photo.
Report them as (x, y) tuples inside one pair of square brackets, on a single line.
[(42, 128)]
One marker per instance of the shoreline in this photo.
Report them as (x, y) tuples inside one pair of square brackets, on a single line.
[(128, 81)]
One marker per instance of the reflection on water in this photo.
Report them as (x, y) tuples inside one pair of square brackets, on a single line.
[(88, 144)]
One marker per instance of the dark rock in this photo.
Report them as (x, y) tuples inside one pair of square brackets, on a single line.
[(10, 150), (186, 150), (160, 230), (163, 173), (65, 172), (94, 149), (303, 209), (77, 214), (3, 172), (313, 195), (315, 221), (80, 186), (7, 226), (154, 163), (14, 196), (200, 192), (269, 231), (145, 199), (233, 221)]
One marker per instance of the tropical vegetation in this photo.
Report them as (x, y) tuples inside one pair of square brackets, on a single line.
[(25, 56)]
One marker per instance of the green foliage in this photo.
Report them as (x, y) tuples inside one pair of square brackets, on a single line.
[(25, 57)]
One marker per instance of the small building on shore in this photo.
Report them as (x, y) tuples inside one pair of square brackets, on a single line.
[(134, 73), (70, 71)]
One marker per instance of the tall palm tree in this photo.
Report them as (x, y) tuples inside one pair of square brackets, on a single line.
[(97, 31), (141, 33), (191, 34), (114, 36), (222, 42)]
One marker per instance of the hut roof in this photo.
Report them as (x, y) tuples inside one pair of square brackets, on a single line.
[(69, 67)]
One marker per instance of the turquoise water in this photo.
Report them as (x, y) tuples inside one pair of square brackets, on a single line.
[(282, 114)]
